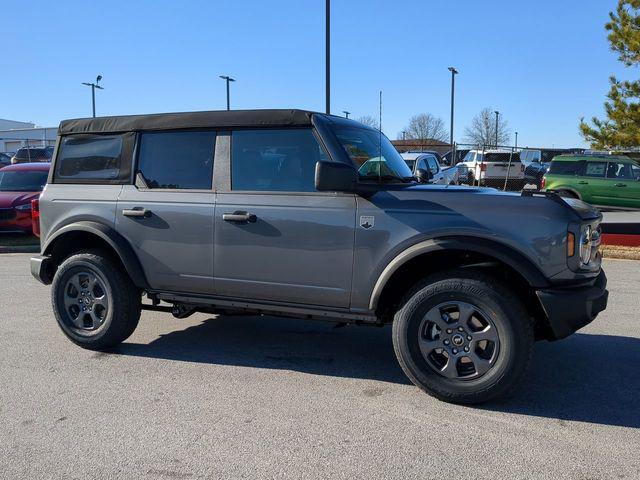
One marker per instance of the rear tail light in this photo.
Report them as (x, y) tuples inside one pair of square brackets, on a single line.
[(35, 216), (543, 183), (483, 167)]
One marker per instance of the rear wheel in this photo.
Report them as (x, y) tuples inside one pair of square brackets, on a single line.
[(94, 301), (463, 337)]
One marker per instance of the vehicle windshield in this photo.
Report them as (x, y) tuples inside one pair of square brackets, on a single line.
[(22, 181), (373, 154)]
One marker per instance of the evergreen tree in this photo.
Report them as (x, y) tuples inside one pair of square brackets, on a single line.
[(621, 128)]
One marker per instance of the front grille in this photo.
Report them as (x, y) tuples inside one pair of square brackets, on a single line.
[(7, 214)]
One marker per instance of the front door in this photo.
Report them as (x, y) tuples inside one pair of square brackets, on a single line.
[(277, 238), (167, 216)]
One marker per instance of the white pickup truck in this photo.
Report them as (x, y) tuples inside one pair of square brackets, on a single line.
[(491, 168)]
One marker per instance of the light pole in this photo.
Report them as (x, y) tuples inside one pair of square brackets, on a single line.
[(497, 115), (346, 114), (454, 72), (516, 140), (227, 79), (328, 56), (93, 92), (404, 135)]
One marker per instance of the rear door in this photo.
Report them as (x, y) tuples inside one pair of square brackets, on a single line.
[(277, 238), (167, 216), (593, 185)]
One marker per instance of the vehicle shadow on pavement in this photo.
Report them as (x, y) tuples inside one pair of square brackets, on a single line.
[(586, 378), (314, 347)]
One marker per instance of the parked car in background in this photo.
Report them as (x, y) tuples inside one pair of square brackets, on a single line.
[(536, 162), (4, 160), (604, 181), (451, 160), (428, 161), (32, 154), (491, 168), (19, 185)]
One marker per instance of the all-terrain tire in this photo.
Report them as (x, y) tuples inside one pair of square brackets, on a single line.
[(503, 310), (123, 299)]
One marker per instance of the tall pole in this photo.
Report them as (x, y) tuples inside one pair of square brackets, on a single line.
[(93, 99), (93, 92), (453, 89), (228, 79), (328, 56), (516, 140), (497, 114)]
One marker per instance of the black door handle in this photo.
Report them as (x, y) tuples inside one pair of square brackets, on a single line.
[(583, 183), (621, 184), (136, 212), (240, 217)]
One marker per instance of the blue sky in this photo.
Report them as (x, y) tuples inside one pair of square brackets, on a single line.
[(543, 63)]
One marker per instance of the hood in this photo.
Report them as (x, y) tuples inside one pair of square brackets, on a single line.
[(13, 199), (584, 210)]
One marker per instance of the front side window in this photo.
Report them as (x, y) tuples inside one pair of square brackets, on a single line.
[(372, 154), (177, 160), (90, 158), (433, 165), (21, 181), (274, 160)]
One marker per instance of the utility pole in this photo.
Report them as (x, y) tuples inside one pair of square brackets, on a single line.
[(93, 92), (497, 115), (516, 140), (454, 72), (227, 79), (346, 114), (328, 56)]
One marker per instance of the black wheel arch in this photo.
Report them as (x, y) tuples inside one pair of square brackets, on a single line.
[(63, 241), (490, 249)]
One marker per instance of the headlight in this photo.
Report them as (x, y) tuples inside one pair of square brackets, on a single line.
[(585, 244), (24, 208)]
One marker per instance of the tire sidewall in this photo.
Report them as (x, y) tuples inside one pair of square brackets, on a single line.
[(513, 335), (69, 268)]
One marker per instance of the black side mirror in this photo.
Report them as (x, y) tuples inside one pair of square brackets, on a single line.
[(424, 176), (335, 177)]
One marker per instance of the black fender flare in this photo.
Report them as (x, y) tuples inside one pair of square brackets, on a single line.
[(492, 248), (109, 235)]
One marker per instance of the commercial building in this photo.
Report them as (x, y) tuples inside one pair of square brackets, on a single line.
[(14, 135)]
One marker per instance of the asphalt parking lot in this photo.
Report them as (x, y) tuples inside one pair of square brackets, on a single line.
[(252, 397)]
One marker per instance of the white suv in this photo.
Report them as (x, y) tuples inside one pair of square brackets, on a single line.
[(491, 168)]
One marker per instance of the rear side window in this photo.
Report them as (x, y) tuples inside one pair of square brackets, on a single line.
[(90, 159), (274, 160), (177, 160), (595, 169), (559, 167), (33, 154)]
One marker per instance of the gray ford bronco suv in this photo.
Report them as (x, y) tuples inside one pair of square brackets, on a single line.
[(289, 212)]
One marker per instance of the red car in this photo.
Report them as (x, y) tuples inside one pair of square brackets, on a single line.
[(19, 184)]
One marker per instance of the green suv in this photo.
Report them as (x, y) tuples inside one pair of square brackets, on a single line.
[(604, 180)]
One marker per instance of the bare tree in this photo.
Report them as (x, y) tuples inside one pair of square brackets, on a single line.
[(482, 130), (426, 127), (368, 120)]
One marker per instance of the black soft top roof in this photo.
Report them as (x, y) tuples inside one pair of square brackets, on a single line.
[(169, 121)]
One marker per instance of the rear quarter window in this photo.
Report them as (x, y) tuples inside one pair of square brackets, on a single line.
[(92, 159), (562, 167), (501, 157)]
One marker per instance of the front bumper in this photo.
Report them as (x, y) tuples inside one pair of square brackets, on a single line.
[(40, 269), (570, 309)]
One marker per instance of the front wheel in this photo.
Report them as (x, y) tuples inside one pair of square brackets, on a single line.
[(463, 337), (94, 301)]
